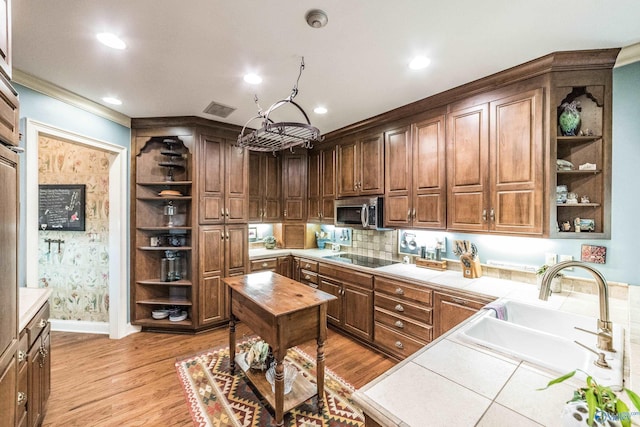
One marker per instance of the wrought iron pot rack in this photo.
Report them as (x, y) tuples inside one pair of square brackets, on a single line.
[(277, 136)]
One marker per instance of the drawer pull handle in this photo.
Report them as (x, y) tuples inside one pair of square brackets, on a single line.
[(307, 277), (459, 301), (264, 264), (313, 285), (399, 291), (22, 397), (42, 323), (22, 356), (399, 324), (399, 308), (307, 266), (399, 345)]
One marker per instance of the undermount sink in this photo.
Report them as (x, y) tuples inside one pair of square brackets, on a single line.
[(545, 337)]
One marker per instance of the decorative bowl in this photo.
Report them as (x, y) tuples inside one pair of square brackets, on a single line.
[(290, 374)]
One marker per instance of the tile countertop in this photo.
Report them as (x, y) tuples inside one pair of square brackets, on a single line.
[(490, 389), (30, 300)]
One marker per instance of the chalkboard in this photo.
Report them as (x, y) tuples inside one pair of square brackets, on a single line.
[(61, 207)]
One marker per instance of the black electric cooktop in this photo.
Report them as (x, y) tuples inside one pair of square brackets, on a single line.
[(361, 260)]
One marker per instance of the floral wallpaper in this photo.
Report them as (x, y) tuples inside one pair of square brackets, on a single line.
[(77, 269)]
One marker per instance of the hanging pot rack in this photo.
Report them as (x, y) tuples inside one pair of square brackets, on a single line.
[(277, 136)]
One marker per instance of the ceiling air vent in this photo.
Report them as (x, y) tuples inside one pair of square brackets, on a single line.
[(220, 110)]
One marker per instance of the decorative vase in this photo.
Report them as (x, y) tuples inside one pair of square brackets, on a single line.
[(569, 119), (575, 414)]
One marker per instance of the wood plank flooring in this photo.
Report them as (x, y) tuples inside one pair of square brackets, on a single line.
[(133, 382)]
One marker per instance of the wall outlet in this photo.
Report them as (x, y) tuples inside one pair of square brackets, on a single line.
[(550, 258), (567, 258)]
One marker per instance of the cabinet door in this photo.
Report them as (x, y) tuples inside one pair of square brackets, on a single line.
[(334, 307), (272, 188), (211, 168), (46, 373), (284, 266), (5, 38), (211, 296), (256, 186), (450, 311), (34, 394), (328, 178), (314, 186), (429, 174), (372, 165), (516, 163), (358, 311), (467, 166), (294, 168), (348, 168), (236, 184), (8, 391), (398, 177), (236, 248)]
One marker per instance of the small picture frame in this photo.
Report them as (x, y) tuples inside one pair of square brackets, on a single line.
[(594, 254), (253, 234), (588, 225)]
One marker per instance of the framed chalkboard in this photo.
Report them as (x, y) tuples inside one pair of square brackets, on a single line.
[(61, 207)]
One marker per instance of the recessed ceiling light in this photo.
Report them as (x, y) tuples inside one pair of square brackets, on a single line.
[(111, 40), (320, 110), (252, 78), (112, 100), (419, 62)]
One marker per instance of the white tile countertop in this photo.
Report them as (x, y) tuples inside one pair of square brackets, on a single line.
[(451, 382), (30, 300)]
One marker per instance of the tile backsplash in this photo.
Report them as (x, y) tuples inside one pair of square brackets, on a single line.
[(374, 243)]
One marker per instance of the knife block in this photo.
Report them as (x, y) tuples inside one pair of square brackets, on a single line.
[(471, 267)]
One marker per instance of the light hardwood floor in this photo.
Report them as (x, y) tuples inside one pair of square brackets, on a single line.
[(133, 382)]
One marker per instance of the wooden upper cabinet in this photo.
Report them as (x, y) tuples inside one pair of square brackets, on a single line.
[(321, 184), (415, 176), (223, 182), (361, 166), (516, 159), (468, 168), (495, 166), (265, 184), (5, 38), (294, 186)]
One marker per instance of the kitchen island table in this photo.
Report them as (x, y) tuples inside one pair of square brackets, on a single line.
[(284, 313)]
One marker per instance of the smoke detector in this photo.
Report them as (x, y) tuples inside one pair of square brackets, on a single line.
[(317, 18)]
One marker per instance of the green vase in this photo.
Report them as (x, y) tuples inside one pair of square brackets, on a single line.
[(569, 119)]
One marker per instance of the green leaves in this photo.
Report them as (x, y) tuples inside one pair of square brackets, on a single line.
[(559, 380)]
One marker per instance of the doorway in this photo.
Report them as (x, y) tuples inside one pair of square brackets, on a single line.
[(117, 325)]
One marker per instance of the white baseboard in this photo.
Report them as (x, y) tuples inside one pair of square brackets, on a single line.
[(80, 326)]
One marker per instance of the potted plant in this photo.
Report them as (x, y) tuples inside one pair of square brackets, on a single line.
[(556, 282), (269, 242), (596, 404)]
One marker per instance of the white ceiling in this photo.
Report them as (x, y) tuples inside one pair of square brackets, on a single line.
[(182, 55)]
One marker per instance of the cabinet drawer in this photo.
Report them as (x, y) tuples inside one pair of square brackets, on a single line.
[(404, 290), (9, 113), (347, 275), (264, 264), (419, 330), (307, 264), (307, 277), (404, 308), (37, 324), (396, 342)]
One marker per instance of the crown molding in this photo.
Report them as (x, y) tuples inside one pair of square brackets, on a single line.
[(66, 96), (628, 55)]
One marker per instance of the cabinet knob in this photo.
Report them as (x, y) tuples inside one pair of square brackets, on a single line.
[(399, 324), (22, 397), (22, 356), (307, 277), (399, 291), (492, 215), (42, 323), (265, 264), (413, 213), (307, 266), (399, 308), (484, 215), (399, 345), (285, 212), (408, 214)]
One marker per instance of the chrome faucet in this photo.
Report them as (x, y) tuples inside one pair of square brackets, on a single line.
[(605, 336)]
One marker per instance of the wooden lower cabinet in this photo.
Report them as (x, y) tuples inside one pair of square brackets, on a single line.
[(450, 310), (280, 265), (353, 310), (8, 380)]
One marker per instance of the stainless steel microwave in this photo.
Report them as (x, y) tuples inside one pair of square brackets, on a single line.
[(359, 212)]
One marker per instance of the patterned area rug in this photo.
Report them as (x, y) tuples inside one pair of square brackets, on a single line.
[(217, 398)]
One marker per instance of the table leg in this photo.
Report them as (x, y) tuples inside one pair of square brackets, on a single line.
[(232, 343), (320, 373), (279, 387)]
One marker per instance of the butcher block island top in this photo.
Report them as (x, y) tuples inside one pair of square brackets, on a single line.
[(284, 313)]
